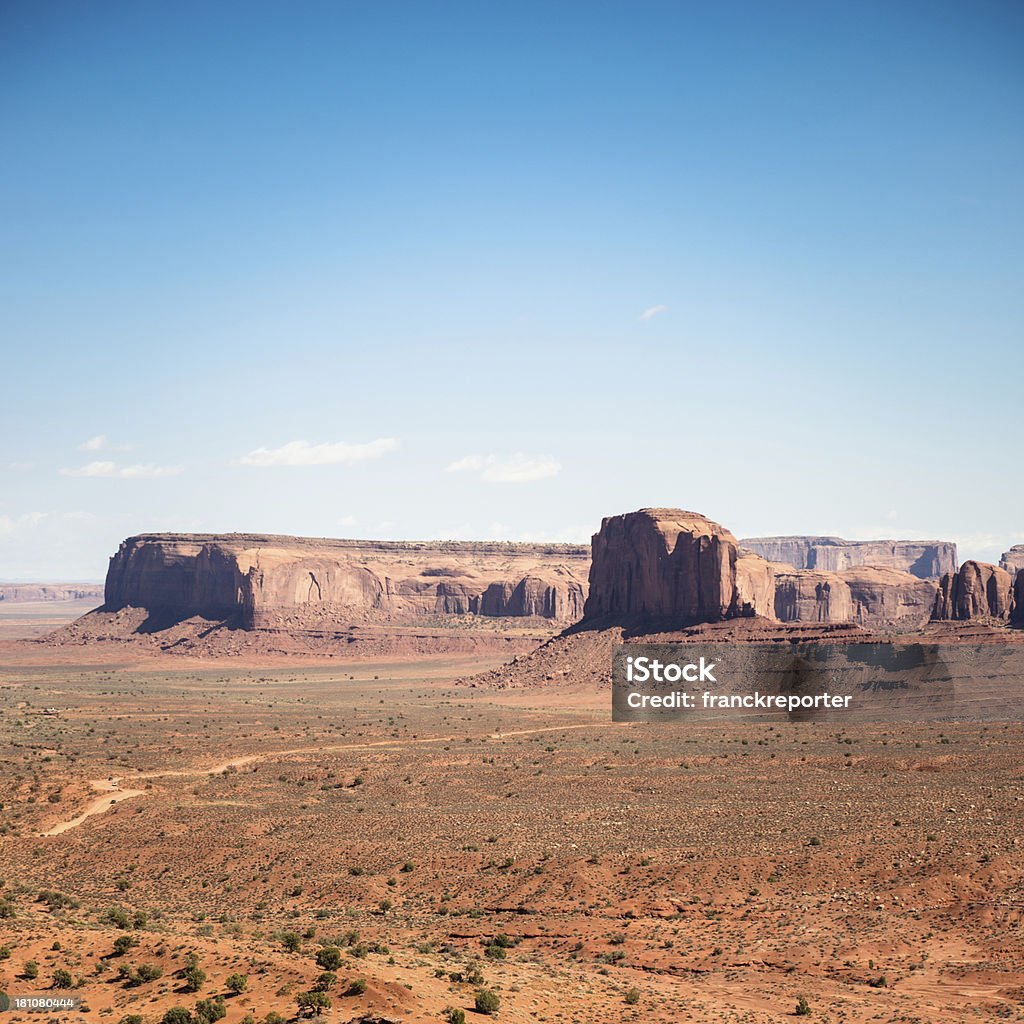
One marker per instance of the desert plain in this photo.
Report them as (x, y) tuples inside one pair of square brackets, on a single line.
[(401, 837)]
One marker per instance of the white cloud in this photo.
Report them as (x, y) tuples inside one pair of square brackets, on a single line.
[(111, 470), (302, 453), (10, 526), (510, 469), (348, 521), (100, 443), (652, 311)]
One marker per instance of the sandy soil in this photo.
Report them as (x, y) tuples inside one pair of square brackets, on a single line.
[(439, 833)]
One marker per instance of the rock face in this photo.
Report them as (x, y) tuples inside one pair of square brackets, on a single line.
[(978, 591), (811, 596), (1017, 616), (888, 597), (1013, 560), (666, 568), (261, 581), (18, 592), (927, 559)]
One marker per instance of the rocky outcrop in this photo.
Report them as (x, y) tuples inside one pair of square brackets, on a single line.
[(887, 597), (259, 581), (1013, 560), (927, 559), (665, 566), (1017, 615), (977, 591), (811, 596), (18, 592)]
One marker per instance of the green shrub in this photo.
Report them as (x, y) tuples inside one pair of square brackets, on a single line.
[(329, 958), (633, 996), (487, 1001), (453, 1015), (208, 1011), (356, 988), (62, 979), (237, 983), (177, 1015), (30, 970), (313, 1002), (803, 1008), (195, 978)]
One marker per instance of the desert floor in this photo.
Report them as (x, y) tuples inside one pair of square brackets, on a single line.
[(448, 838)]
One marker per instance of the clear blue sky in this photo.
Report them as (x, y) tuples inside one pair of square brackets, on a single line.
[(508, 268)]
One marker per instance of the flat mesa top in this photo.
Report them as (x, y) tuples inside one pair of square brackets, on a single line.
[(242, 541)]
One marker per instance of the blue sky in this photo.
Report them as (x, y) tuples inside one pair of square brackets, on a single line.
[(382, 270)]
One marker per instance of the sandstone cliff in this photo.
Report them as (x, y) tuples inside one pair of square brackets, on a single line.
[(977, 591), (260, 581), (927, 559), (1013, 560), (1017, 615), (666, 568)]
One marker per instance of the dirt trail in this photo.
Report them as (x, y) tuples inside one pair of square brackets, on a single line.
[(114, 794)]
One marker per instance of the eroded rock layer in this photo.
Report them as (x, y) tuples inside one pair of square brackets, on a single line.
[(927, 559), (1013, 560), (977, 591), (261, 581), (20, 592), (667, 567)]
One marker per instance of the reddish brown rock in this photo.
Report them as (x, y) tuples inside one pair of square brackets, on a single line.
[(20, 592), (811, 596), (755, 586), (662, 566), (1017, 616), (977, 591), (885, 597), (1013, 560), (261, 580)]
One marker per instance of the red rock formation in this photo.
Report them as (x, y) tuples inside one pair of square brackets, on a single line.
[(977, 591), (1013, 560), (926, 559), (662, 565), (811, 596), (888, 597), (1017, 616), (257, 580)]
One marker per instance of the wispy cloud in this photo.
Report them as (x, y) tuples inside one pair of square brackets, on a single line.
[(102, 443), (11, 525), (302, 453), (112, 471), (509, 469), (652, 311)]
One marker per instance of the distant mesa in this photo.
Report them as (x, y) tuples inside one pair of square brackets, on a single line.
[(25, 592), (263, 581), (668, 568), (926, 559)]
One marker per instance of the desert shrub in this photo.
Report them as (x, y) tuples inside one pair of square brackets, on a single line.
[(195, 977), (803, 1008), (325, 982), (208, 1011), (62, 978), (237, 983), (123, 943), (273, 1018), (6, 909), (149, 972), (487, 1001), (30, 970), (632, 996), (119, 917), (495, 952), (5, 952), (131, 1018), (453, 1015), (177, 1015), (291, 941), (356, 988), (879, 982), (313, 1002), (329, 958)]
